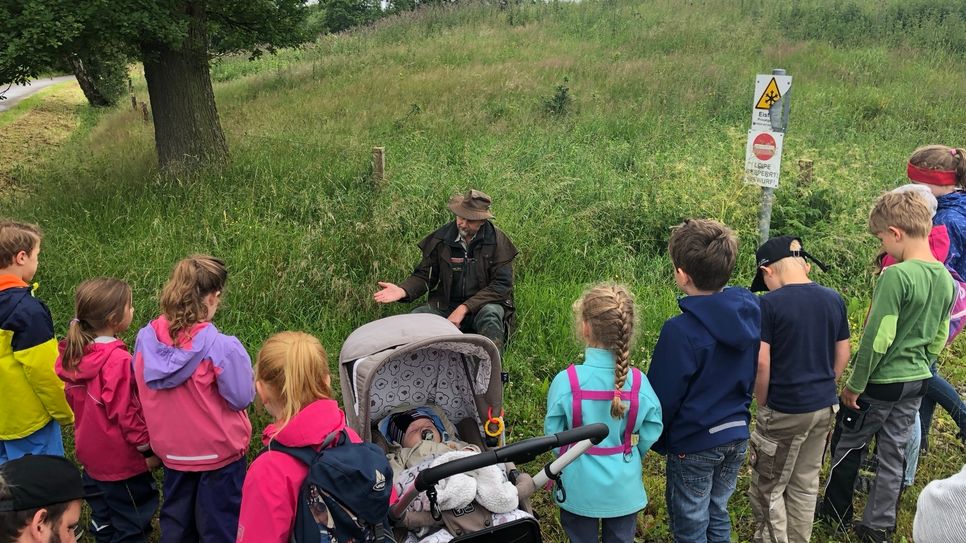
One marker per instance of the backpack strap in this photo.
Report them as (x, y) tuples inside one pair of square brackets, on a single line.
[(579, 395), (307, 454)]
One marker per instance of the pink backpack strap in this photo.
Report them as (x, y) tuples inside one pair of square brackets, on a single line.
[(606, 395)]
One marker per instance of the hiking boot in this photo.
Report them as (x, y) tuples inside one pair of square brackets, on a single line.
[(871, 535)]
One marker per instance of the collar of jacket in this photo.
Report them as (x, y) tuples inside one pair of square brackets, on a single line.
[(11, 281), (599, 358), (448, 234)]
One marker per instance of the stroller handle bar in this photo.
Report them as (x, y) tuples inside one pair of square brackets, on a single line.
[(518, 453), (523, 451)]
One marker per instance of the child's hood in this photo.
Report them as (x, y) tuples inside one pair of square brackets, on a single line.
[(166, 365), (732, 316), (95, 356), (310, 426), (954, 201)]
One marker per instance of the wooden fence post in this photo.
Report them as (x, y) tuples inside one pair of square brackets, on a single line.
[(804, 171), (378, 165)]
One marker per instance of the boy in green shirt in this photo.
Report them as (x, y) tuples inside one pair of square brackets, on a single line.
[(907, 325)]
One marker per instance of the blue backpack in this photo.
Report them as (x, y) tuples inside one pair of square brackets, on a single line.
[(345, 496)]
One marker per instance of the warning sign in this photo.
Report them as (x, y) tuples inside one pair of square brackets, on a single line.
[(763, 158), (770, 96), (769, 92)]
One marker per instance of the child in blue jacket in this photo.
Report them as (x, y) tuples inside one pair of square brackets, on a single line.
[(603, 490), (703, 370)]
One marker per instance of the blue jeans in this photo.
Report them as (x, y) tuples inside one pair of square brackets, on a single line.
[(698, 488), (940, 391)]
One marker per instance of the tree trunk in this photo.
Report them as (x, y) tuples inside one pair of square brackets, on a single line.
[(187, 131), (94, 97)]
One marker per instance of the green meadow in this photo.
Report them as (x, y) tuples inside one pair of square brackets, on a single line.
[(594, 126)]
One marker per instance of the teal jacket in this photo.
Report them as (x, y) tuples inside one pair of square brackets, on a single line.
[(603, 486)]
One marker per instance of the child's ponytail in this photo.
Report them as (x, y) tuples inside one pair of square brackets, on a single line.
[(960, 155), (608, 311), (296, 368), (98, 304), (622, 347), (183, 296), (940, 158)]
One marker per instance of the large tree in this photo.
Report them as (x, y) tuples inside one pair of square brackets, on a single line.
[(174, 39)]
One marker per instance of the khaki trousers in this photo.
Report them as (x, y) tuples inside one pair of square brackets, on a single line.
[(786, 457)]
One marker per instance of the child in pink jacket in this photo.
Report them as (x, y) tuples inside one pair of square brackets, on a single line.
[(110, 436), (195, 384), (293, 384)]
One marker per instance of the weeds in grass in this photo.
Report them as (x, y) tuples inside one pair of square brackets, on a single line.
[(657, 135)]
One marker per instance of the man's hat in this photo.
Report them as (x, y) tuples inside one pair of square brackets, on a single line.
[(473, 206), (36, 481), (774, 250)]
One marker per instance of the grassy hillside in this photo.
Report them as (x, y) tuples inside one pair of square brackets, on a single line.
[(594, 126)]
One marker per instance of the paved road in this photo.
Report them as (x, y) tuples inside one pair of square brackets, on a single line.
[(19, 92)]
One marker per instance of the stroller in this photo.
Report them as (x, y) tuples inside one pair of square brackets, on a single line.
[(418, 360)]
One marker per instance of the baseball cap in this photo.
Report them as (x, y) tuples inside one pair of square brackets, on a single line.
[(35, 481), (774, 250)]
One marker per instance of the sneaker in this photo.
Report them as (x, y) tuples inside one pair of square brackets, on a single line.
[(871, 535)]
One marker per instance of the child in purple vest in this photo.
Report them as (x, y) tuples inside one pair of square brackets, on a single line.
[(603, 490)]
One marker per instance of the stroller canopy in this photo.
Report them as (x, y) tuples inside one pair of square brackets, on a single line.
[(414, 360)]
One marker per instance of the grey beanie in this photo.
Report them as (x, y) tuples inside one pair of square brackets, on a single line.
[(941, 511)]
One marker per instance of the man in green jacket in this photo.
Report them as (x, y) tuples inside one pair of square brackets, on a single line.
[(467, 269)]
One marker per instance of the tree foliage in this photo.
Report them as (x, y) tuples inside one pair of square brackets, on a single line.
[(165, 35)]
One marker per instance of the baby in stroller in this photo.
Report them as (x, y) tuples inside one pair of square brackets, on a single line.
[(420, 438), (423, 368)]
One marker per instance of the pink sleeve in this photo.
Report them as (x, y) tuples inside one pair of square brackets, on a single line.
[(269, 496), (121, 400)]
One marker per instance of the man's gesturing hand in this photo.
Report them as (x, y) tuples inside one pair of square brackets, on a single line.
[(389, 293)]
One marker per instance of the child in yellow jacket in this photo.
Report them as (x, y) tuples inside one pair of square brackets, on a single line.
[(33, 406)]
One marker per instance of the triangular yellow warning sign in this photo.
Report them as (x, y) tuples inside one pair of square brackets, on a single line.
[(770, 97)]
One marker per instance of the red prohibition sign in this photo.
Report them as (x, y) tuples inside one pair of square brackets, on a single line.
[(764, 146)]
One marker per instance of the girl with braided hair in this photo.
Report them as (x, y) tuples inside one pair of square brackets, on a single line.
[(601, 493)]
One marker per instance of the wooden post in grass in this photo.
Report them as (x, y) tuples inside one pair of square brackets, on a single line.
[(134, 102), (144, 113), (378, 165), (804, 171)]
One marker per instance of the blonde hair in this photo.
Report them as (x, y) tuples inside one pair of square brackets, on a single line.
[(183, 296), (941, 157), (98, 303), (608, 312), (706, 250), (294, 365), (906, 211), (779, 266), (16, 237)]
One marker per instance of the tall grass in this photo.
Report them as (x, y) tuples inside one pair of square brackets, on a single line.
[(654, 132)]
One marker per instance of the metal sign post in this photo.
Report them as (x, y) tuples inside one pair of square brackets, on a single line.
[(763, 153)]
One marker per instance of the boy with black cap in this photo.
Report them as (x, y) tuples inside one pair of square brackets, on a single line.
[(804, 349), (40, 500)]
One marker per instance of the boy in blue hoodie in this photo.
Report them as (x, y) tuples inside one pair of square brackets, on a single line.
[(703, 371)]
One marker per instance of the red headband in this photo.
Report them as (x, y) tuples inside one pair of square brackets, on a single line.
[(942, 178)]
